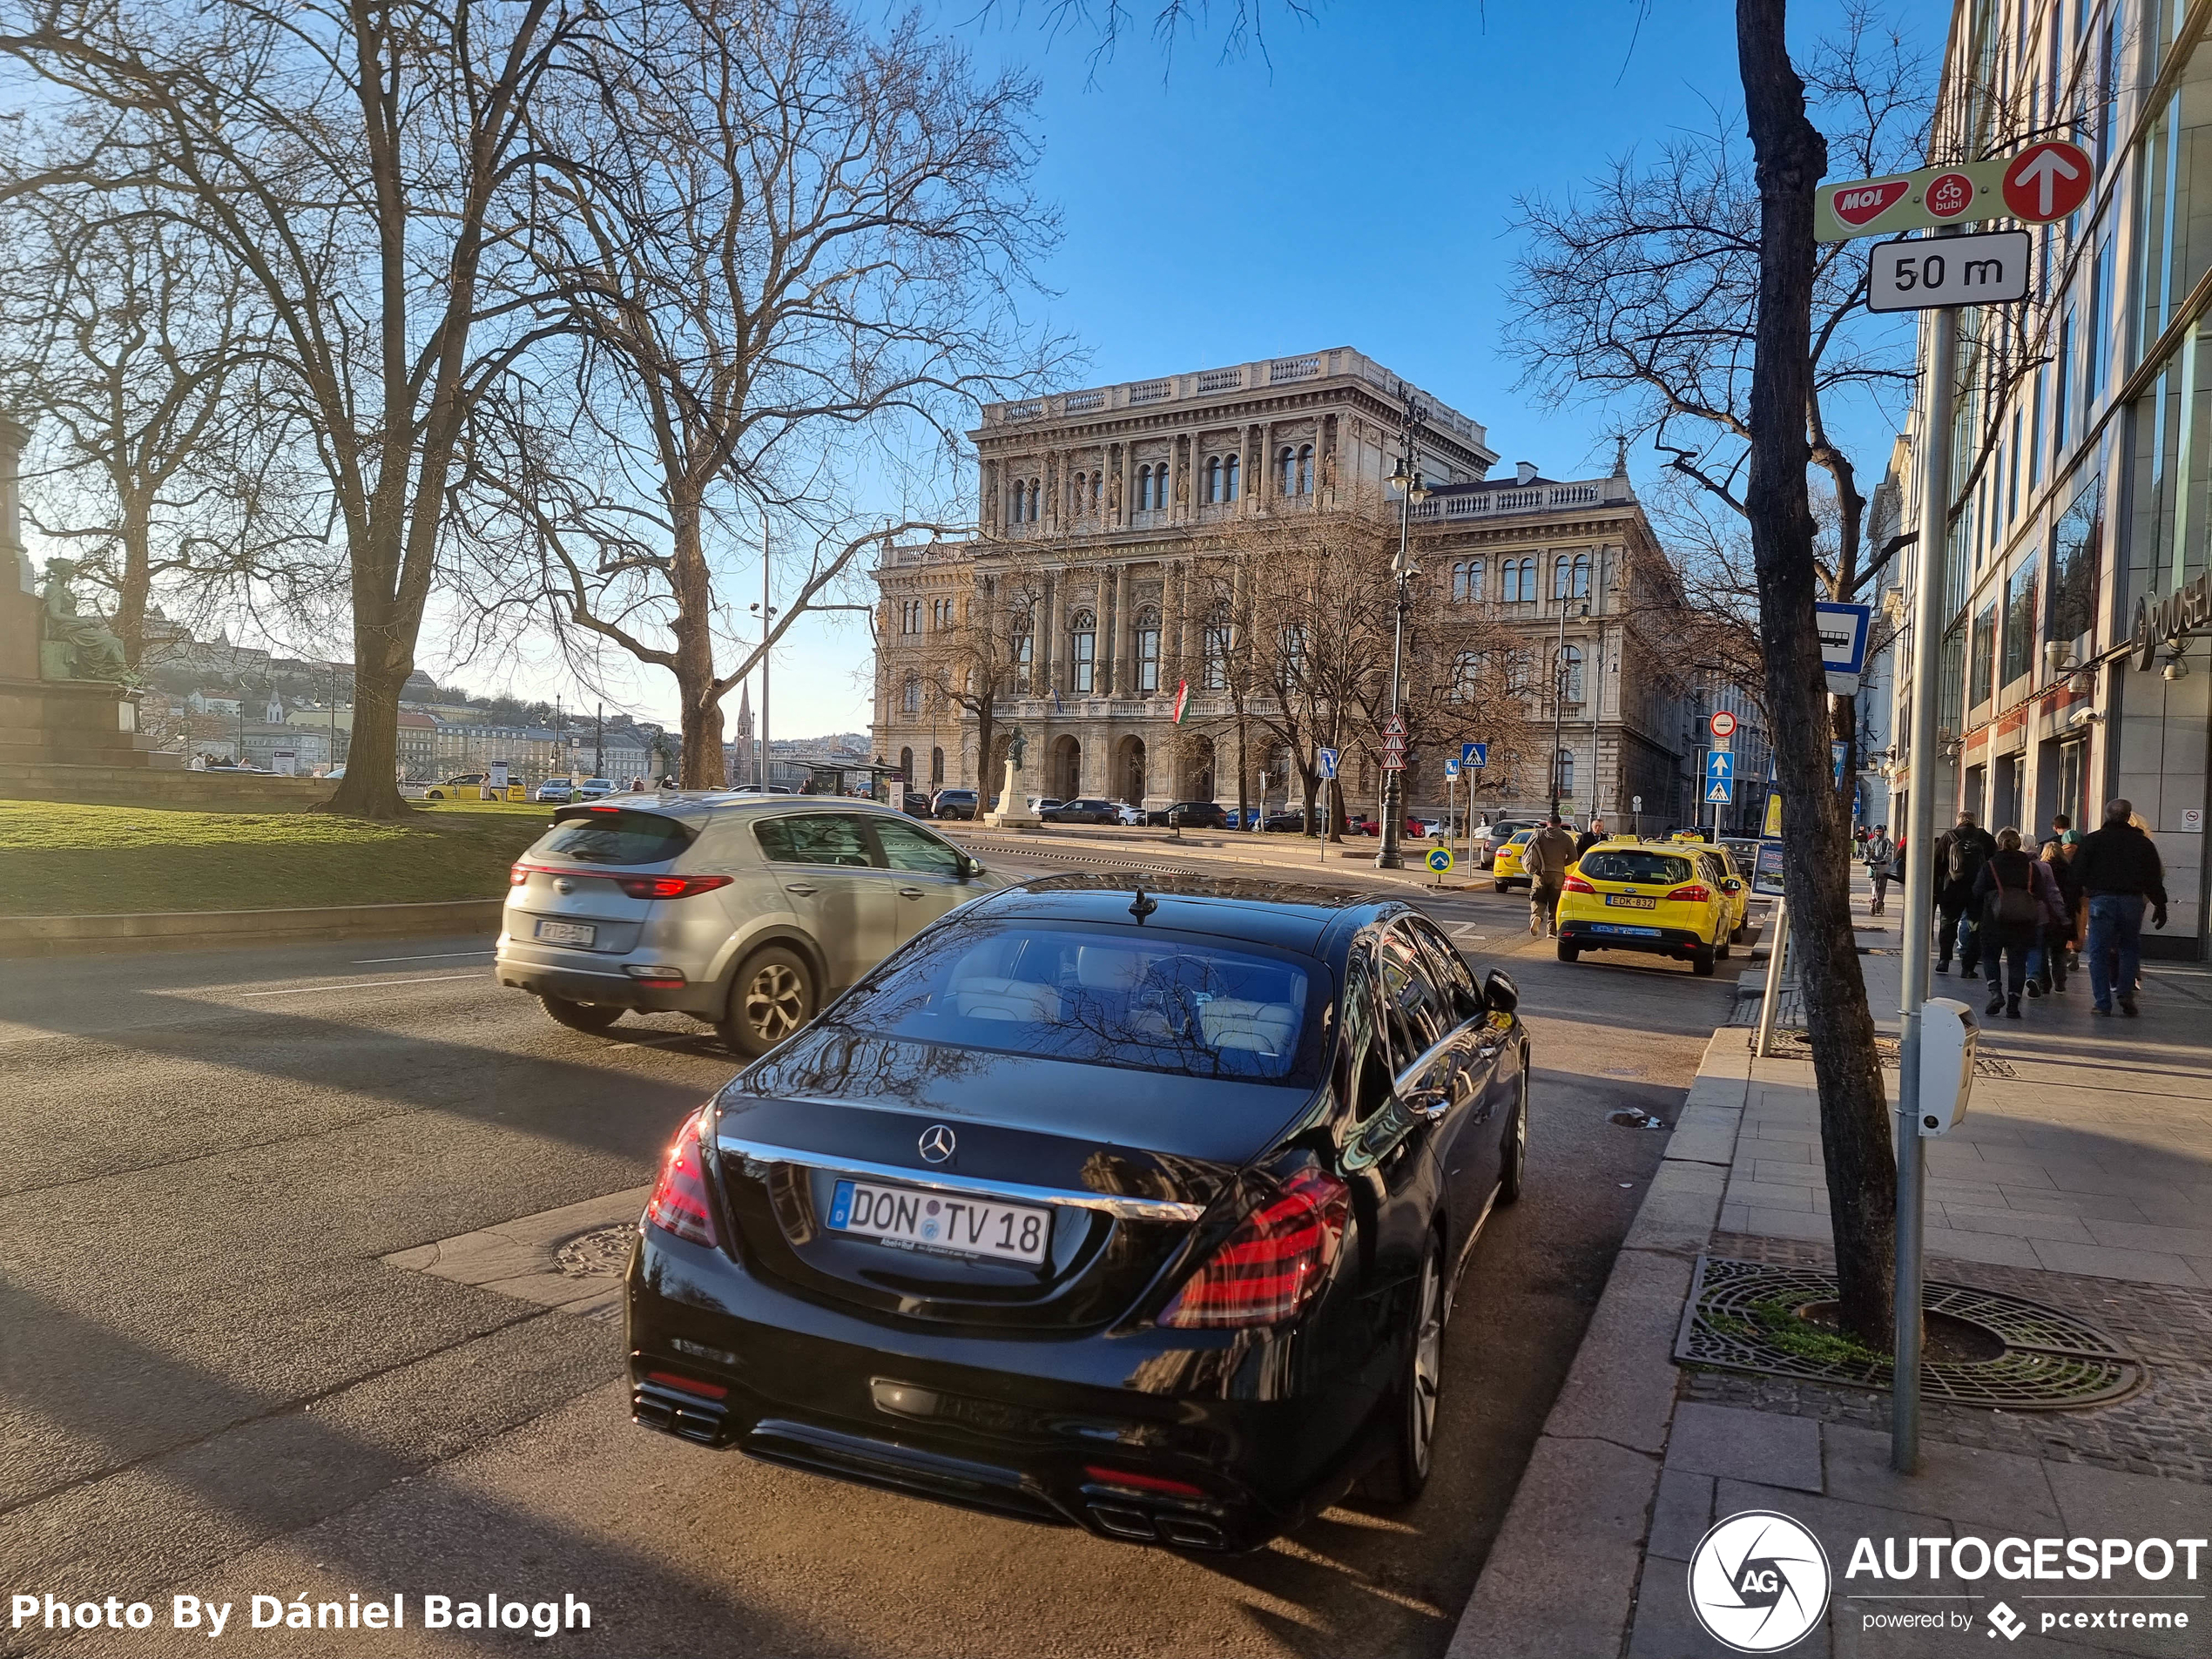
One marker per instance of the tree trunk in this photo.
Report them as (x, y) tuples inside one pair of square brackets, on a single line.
[(693, 585), (368, 790), (135, 581), (1854, 1116), (700, 766)]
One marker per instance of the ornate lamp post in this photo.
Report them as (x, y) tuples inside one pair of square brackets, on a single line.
[(1407, 482)]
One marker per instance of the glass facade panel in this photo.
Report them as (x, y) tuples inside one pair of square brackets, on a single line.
[(2074, 563), (2019, 623), (1982, 657)]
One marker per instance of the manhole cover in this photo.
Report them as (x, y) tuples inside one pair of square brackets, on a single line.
[(2049, 1360), (602, 1253)]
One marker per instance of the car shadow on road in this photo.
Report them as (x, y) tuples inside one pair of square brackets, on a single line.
[(144, 1512)]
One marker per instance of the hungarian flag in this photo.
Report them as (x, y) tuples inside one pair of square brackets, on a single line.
[(1182, 700)]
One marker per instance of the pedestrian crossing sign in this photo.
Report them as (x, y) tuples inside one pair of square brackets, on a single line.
[(1720, 792)]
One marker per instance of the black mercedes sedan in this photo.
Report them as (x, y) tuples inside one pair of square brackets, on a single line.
[(1130, 1206)]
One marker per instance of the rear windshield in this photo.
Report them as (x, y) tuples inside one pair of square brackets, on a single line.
[(617, 837), (1602, 865), (1102, 997)]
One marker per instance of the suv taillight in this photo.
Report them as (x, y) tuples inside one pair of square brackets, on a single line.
[(1695, 893), (681, 1204), (1267, 1269), (669, 886)]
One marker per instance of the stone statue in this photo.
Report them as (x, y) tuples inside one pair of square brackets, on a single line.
[(1017, 749), (92, 650)]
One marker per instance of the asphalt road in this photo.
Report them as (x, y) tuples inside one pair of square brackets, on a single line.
[(211, 1383)]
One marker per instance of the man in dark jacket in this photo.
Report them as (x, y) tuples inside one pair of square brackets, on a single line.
[(1589, 838), (1959, 854), (2118, 871)]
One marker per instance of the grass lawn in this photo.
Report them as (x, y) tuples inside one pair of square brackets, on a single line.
[(59, 858)]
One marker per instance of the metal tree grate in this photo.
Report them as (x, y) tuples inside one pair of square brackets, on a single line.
[(1790, 1044), (2052, 1360)]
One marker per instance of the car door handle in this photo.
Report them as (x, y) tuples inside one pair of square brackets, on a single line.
[(800, 889), (910, 893)]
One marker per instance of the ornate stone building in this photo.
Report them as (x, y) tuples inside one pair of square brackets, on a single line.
[(1094, 586)]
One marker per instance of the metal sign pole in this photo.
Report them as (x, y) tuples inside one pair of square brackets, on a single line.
[(1934, 459), (1776, 946)]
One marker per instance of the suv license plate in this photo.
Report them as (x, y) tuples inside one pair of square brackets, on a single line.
[(1631, 901), (937, 1221), (567, 932)]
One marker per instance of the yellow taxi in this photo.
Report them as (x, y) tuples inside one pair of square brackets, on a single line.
[(1506, 870), (1658, 897), (1737, 888)]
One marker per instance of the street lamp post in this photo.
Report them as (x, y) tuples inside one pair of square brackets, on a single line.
[(1559, 692), (1410, 488)]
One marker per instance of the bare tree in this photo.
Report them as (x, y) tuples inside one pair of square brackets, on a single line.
[(154, 456), (777, 237), (356, 166)]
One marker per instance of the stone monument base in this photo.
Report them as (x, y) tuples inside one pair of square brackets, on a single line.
[(90, 723), (1013, 811)]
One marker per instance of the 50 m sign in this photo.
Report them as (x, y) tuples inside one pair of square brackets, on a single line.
[(1992, 268)]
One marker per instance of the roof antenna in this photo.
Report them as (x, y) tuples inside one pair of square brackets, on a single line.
[(1142, 907)]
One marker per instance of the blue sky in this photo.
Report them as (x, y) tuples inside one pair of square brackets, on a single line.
[(1352, 188)]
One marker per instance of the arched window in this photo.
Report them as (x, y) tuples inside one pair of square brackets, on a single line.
[(936, 767), (1075, 493), (907, 767), (1148, 652), (1014, 502), (1037, 492), (1465, 666), (1083, 628), (1579, 588), (1570, 674), (1509, 582), (1215, 677), (1285, 459), (1020, 646), (1213, 481), (1306, 470), (1144, 489), (1564, 764), (1229, 479), (1521, 580), (1467, 580), (912, 703), (1094, 494), (1291, 642)]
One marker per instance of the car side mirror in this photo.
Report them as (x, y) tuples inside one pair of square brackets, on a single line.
[(1732, 883), (970, 868), (1500, 992)]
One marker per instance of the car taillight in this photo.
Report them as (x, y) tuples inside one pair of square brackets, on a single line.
[(1695, 893), (1575, 884), (680, 1202), (1265, 1270), (669, 886), (518, 875)]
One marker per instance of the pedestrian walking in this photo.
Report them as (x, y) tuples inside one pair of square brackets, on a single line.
[(2014, 900), (1881, 854), (1589, 838), (2048, 961), (1960, 854), (1550, 850), (2118, 869)]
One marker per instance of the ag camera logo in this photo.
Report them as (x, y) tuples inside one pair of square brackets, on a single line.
[(1758, 1582)]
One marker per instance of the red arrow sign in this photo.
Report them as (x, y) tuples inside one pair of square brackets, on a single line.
[(2048, 181), (1864, 204)]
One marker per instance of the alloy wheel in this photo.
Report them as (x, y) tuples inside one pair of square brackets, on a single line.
[(1428, 1362), (775, 1003)]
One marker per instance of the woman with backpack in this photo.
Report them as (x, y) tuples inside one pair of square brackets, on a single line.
[(2015, 898)]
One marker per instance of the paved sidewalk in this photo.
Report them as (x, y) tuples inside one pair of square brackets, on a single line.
[(2081, 1178)]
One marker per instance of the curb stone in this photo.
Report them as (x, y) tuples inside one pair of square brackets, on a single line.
[(1561, 1580), (198, 929)]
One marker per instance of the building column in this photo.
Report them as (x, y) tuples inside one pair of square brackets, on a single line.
[(1047, 629), (987, 517), (1177, 621), (1124, 645)]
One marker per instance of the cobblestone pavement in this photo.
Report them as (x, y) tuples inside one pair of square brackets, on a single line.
[(2160, 1430)]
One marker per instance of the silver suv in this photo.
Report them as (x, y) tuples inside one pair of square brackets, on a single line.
[(747, 912)]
